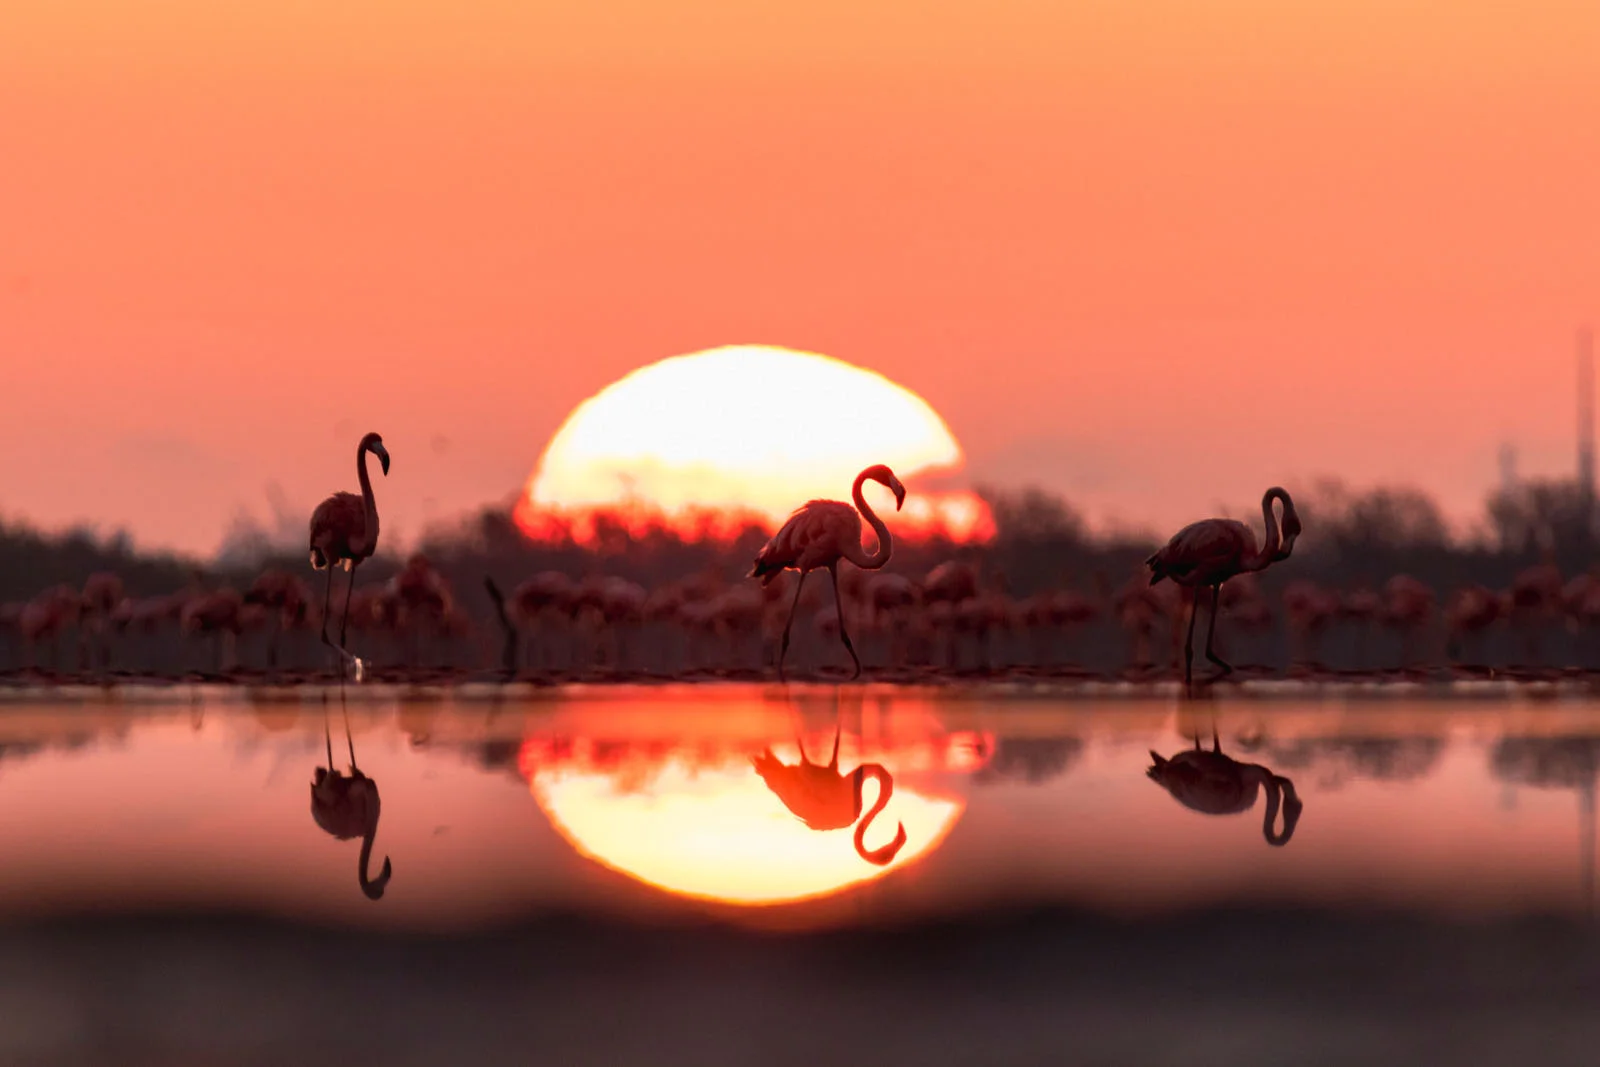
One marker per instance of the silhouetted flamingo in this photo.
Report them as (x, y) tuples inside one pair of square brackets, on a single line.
[(347, 807), (217, 613), (824, 799), (45, 616), (285, 596), (1214, 784), (344, 530), (102, 593), (821, 534), (1408, 606), (1209, 552)]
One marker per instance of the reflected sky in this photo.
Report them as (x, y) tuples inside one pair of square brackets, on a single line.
[(654, 803)]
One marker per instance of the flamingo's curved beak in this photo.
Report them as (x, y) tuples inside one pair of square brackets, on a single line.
[(899, 493), (383, 457)]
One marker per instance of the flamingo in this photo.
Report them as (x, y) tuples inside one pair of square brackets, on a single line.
[(1214, 784), (344, 529), (217, 612), (284, 595), (102, 592), (822, 533), (348, 807), (824, 799), (1211, 551)]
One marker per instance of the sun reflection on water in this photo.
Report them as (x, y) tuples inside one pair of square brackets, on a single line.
[(694, 818)]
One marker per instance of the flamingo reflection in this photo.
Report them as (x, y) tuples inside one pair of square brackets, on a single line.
[(824, 799), (347, 807), (1214, 784)]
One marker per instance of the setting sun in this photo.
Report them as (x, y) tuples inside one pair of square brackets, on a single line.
[(748, 430)]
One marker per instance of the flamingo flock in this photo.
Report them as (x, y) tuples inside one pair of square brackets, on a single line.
[(959, 617)]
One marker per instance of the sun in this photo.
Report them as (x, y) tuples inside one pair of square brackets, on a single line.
[(748, 430)]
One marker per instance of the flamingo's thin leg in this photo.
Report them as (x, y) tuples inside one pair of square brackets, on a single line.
[(1188, 643), (327, 604), (344, 623), (1211, 631), (783, 646), (838, 602)]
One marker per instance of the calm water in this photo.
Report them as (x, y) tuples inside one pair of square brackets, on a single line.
[(647, 805)]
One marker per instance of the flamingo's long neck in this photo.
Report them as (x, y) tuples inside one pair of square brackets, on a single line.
[(369, 534), (884, 855), (855, 553), (1274, 541)]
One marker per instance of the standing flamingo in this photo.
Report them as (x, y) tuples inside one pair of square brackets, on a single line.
[(1209, 552), (822, 533), (824, 799), (1214, 784), (347, 807), (344, 529)]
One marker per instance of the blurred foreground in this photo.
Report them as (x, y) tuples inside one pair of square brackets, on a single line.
[(1264, 988)]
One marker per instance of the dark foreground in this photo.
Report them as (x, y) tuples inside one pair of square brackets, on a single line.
[(1235, 988)]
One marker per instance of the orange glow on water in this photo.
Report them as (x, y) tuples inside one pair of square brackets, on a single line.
[(697, 821), (704, 444)]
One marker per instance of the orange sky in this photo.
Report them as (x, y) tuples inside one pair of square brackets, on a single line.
[(1284, 240)]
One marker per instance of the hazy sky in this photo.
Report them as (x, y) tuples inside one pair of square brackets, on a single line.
[(1155, 254)]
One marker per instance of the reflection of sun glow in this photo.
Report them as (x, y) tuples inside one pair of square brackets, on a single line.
[(746, 432), (701, 823)]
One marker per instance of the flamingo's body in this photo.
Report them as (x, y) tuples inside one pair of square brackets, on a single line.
[(824, 799), (344, 530), (1214, 784), (1208, 553), (820, 535)]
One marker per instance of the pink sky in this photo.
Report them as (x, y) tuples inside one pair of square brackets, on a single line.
[(1157, 256)]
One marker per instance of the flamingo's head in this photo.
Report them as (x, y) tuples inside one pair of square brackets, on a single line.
[(884, 476), (374, 444)]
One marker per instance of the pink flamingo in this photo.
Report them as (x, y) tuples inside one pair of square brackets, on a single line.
[(822, 533), (1310, 609), (1209, 552), (219, 613), (102, 592), (285, 596), (540, 605), (1408, 605), (45, 616), (1473, 610), (344, 530), (824, 799)]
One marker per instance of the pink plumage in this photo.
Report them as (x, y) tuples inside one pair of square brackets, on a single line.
[(344, 529), (821, 534), (1209, 552)]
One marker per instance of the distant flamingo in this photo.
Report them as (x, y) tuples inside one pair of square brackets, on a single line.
[(1214, 784), (822, 533), (285, 596), (1209, 552), (217, 612), (45, 616), (344, 529), (1408, 605), (824, 799), (102, 592), (348, 807)]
